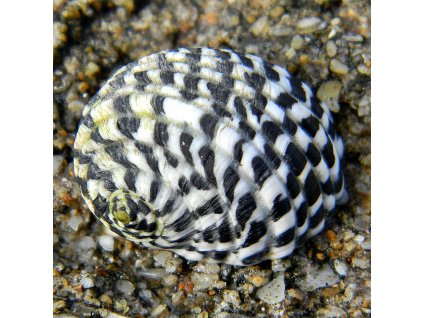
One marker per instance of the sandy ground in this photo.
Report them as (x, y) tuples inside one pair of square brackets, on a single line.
[(326, 43)]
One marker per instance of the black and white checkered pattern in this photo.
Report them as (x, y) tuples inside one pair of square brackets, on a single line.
[(211, 153)]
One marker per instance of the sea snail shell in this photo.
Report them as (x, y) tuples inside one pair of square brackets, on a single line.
[(210, 154)]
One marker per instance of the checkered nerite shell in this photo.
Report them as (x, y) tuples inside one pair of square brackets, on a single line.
[(210, 154)]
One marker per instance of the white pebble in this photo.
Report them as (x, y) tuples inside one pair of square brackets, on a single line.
[(274, 291), (86, 243), (58, 306), (297, 42), (206, 281), (74, 222), (309, 24), (350, 291), (363, 107), (280, 30), (353, 38), (170, 280), (337, 67), (207, 268), (161, 257), (57, 162), (76, 105), (87, 282), (173, 264), (341, 268), (360, 263), (176, 297), (329, 92), (125, 286), (331, 48), (232, 297), (197, 310), (159, 310), (290, 53), (260, 27), (91, 69), (348, 234), (318, 278), (363, 69), (280, 265), (366, 245), (359, 238), (169, 261), (106, 242), (153, 273)]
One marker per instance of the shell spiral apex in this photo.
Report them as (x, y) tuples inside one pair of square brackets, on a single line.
[(210, 154)]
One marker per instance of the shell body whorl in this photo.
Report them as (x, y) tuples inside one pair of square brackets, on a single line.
[(210, 154)]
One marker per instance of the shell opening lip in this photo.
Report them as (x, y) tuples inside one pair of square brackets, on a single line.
[(133, 216)]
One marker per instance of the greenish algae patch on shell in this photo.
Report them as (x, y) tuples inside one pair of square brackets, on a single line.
[(210, 154)]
